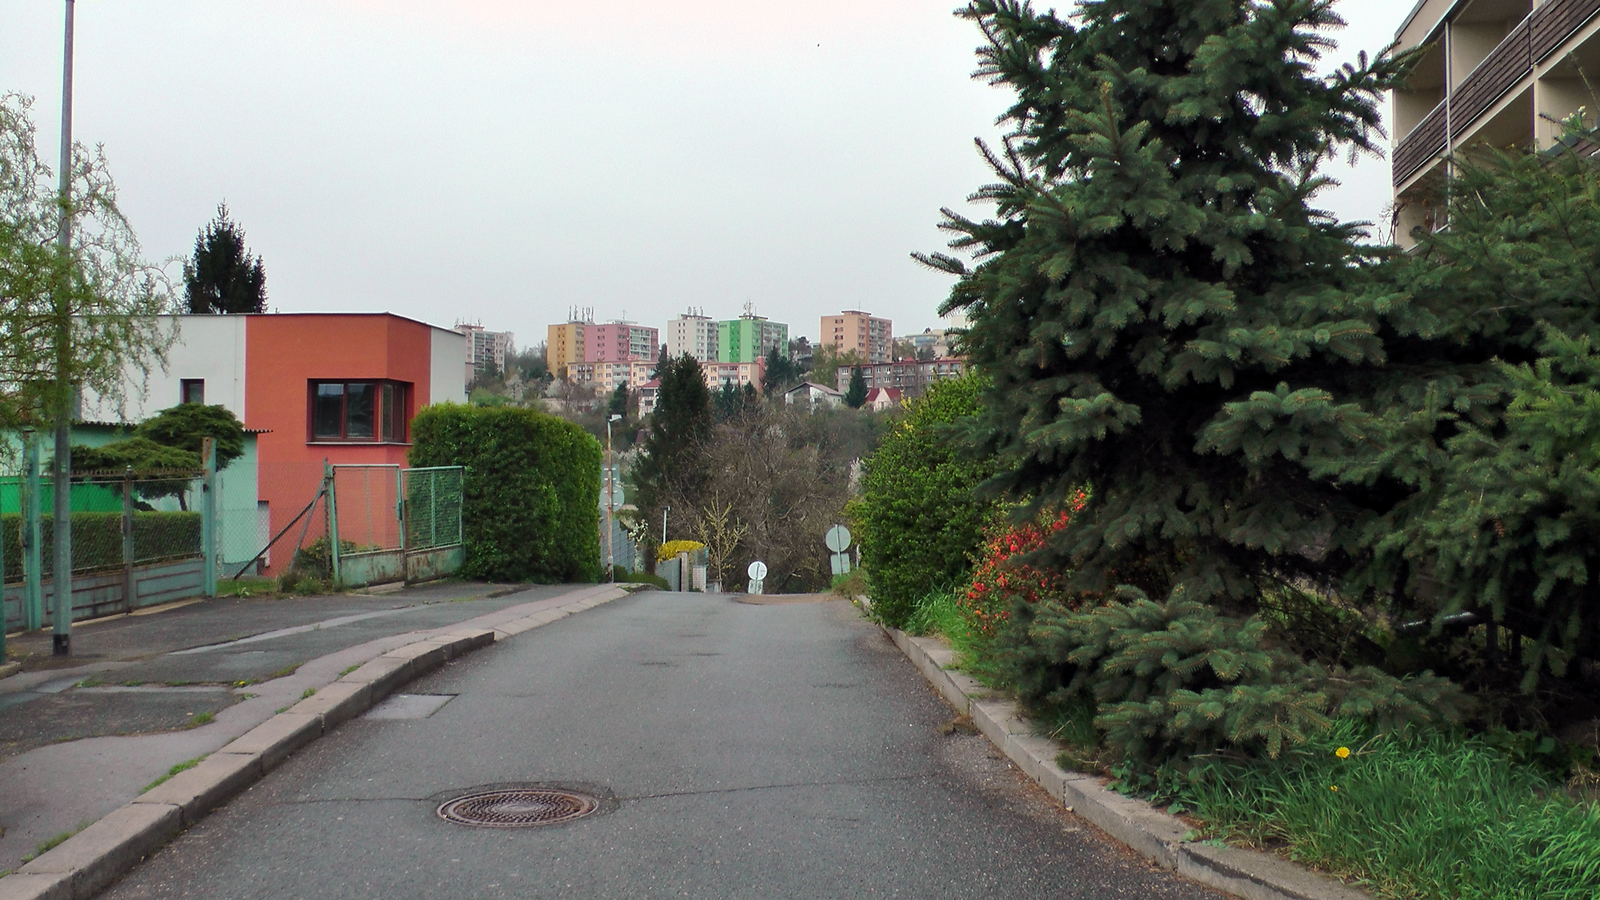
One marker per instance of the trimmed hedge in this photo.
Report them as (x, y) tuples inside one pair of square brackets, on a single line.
[(532, 489), (97, 540)]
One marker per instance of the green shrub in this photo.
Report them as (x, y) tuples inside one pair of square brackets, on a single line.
[(532, 490), (1172, 680), (917, 518)]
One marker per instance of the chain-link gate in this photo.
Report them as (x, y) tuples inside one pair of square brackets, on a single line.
[(433, 525)]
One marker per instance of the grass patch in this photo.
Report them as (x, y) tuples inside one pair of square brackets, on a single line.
[(199, 719), (308, 692), (45, 846), (281, 709), (92, 681), (349, 669), (1421, 817), (246, 587), (284, 672), (180, 767)]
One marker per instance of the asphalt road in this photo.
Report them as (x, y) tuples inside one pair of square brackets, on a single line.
[(743, 751)]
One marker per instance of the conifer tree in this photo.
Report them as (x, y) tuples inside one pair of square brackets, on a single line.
[(856, 394), (223, 277), (669, 469), (1155, 275)]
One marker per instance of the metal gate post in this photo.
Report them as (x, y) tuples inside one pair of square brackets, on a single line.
[(400, 512), (32, 536), (208, 513), (130, 588), (333, 523)]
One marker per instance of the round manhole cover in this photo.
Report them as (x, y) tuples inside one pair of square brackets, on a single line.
[(518, 808)]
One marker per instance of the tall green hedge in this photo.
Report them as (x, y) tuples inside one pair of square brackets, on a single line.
[(532, 490), (917, 518)]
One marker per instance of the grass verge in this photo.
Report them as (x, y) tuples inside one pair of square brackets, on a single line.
[(1419, 817)]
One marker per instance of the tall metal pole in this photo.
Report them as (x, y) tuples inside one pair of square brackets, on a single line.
[(611, 494), (62, 614)]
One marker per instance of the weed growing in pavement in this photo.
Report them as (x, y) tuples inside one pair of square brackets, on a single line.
[(307, 693), (180, 767), (45, 846), (284, 672), (349, 669), (91, 681), (280, 710), (200, 719)]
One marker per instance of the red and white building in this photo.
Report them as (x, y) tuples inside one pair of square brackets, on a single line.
[(340, 388)]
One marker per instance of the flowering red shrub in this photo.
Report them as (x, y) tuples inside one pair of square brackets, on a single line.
[(997, 577)]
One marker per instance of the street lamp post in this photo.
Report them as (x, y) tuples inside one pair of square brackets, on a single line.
[(61, 614), (611, 499)]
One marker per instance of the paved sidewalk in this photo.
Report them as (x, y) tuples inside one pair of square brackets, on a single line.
[(82, 736)]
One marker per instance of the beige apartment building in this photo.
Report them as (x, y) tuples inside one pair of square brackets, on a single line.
[(866, 334), (1500, 73)]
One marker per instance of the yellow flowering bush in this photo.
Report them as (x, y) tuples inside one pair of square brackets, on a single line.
[(671, 549)]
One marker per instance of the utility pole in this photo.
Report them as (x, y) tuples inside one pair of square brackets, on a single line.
[(61, 615)]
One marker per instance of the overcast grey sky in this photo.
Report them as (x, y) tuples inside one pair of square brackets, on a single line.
[(503, 161)]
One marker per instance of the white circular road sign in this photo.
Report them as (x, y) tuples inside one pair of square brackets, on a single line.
[(838, 538), (758, 569)]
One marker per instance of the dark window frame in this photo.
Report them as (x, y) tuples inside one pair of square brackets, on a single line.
[(388, 411), (185, 385)]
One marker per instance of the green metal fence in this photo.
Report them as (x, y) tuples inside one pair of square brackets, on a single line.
[(433, 507)]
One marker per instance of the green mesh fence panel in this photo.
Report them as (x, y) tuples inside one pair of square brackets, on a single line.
[(433, 507)]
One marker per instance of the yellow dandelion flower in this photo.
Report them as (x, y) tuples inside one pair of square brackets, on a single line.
[(1334, 788), (1342, 753)]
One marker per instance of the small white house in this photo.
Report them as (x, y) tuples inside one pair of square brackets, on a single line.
[(813, 395)]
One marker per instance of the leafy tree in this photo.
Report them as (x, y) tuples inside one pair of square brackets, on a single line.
[(669, 469), (222, 277), (83, 321), (1155, 270), (826, 360), (856, 395), (918, 518)]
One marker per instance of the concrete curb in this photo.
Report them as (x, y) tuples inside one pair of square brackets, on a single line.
[(1153, 834), (103, 852)]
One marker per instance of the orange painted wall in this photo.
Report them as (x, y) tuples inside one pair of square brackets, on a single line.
[(286, 351)]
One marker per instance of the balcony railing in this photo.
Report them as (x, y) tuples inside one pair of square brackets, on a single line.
[(1530, 42), (1555, 21), (1423, 143), (1508, 63)]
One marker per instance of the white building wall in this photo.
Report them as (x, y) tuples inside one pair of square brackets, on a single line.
[(448, 368), (207, 347)]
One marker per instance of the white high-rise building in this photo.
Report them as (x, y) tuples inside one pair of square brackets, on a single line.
[(694, 334), (485, 347)]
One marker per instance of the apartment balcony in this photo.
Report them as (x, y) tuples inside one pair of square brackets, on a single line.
[(1496, 100)]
